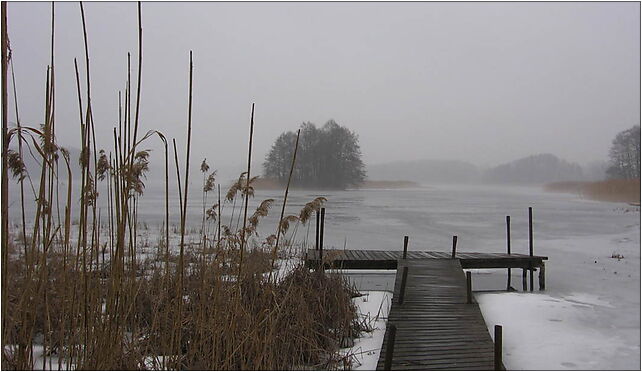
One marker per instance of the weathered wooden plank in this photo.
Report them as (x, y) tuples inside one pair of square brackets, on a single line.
[(435, 327)]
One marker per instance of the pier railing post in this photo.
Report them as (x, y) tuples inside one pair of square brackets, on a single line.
[(321, 237), (454, 246), (498, 348), (508, 250), (316, 241), (469, 287), (404, 281), (524, 285), (405, 247), (530, 243), (390, 347)]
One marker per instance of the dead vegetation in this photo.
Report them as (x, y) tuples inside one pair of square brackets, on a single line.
[(615, 190), (98, 303)]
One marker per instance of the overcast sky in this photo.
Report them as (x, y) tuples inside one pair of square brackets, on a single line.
[(481, 82)]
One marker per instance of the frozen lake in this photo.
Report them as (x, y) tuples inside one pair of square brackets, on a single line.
[(589, 317)]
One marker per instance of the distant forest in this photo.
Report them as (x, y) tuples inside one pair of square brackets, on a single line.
[(534, 169)]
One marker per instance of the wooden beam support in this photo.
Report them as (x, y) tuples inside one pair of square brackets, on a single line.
[(316, 241), (404, 281), (508, 250), (469, 287), (321, 237), (530, 241), (498, 348), (405, 247), (454, 246), (390, 347)]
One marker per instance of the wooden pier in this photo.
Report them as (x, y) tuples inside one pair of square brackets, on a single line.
[(365, 259), (434, 323)]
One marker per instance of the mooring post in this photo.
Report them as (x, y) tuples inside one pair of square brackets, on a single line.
[(542, 278), (508, 249), (405, 247), (316, 241), (530, 242), (524, 285), (321, 237), (469, 287), (404, 280), (498, 347), (454, 246), (390, 347)]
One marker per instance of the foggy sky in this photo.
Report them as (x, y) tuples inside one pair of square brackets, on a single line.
[(480, 82)]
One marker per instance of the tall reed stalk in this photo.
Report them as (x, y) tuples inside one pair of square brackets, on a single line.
[(247, 187)]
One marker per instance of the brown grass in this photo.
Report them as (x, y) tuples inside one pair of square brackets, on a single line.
[(93, 304), (610, 190)]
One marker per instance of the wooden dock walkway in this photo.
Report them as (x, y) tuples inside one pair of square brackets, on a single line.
[(435, 326)]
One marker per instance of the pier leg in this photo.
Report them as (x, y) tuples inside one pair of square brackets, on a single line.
[(508, 249), (542, 278), (454, 246), (530, 242), (469, 288), (390, 348), (316, 232), (404, 281), (524, 286), (498, 348), (322, 223), (405, 247)]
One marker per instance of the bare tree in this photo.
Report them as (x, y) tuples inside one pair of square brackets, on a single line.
[(625, 154)]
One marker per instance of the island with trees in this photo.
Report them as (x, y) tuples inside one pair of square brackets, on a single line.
[(328, 157)]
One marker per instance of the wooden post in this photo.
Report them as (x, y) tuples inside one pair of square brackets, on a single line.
[(524, 285), (508, 249), (498, 348), (530, 242), (454, 246), (405, 247), (390, 347), (321, 237), (404, 280), (316, 242), (469, 287), (542, 278)]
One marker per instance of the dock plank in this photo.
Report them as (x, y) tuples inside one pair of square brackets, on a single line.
[(436, 328)]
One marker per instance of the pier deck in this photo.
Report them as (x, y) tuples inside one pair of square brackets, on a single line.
[(436, 327)]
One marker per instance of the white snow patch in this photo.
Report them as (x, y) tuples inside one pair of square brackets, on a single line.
[(373, 307), (544, 332)]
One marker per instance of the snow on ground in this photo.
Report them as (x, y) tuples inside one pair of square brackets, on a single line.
[(589, 316), (373, 307), (544, 332)]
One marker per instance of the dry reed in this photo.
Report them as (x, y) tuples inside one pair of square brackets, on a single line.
[(106, 305)]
